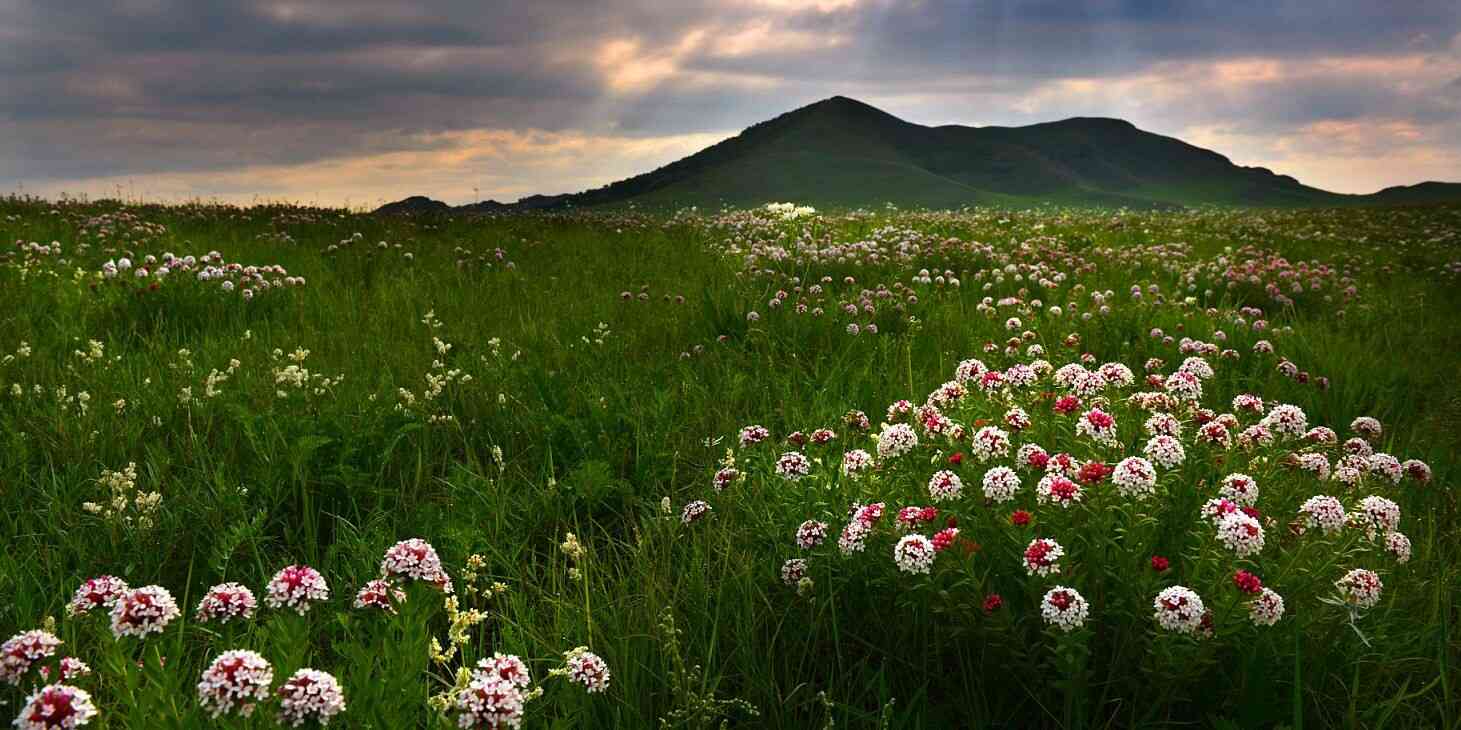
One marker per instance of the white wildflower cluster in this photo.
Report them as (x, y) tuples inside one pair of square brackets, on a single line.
[(296, 587), (143, 611), (1064, 608), (1360, 588), (127, 505), (896, 440), (235, 682), (914, 554), (1179, 609), (1000, 484), (789, 211), (1134, 477), (310, 695)]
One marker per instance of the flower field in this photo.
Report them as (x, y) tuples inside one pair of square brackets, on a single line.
[(779, 467)]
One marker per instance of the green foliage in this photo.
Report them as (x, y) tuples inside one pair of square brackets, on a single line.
[(574, 410)]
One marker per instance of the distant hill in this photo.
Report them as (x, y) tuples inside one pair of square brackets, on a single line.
[(842, 152)]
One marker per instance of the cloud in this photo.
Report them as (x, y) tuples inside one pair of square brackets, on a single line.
[(458, 167), (259, 91)]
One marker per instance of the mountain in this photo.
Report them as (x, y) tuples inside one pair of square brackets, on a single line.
[(1426, 192), (842, 152), (414, 205)]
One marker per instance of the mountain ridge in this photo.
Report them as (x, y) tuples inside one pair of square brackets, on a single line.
[(841, 152)]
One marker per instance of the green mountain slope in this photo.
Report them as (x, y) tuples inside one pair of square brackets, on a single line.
[(842, 152)]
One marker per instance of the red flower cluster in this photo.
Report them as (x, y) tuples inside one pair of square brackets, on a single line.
[(1247, 582), (1093, 473)]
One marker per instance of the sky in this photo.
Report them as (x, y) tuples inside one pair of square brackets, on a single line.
[(358, 103)]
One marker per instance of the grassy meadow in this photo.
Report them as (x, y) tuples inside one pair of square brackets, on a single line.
[(558, 404)]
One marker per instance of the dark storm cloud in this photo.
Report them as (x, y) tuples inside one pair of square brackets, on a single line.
[(138, 87)]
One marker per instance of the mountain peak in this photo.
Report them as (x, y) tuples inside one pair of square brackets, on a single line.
[(843, 152)]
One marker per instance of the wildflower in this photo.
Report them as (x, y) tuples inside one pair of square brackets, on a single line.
[(21, 651), (1098, 426), (507, 667), (823, 436), (1255, 435), (310, 694), (898, 410), (1117, 374), (1351, 469), (793, 570), (1286, 420), (1417, 470), (1314, 463), (1064, 608), (1376, 515), (694, 511), (379, 593), (1160, 564), (1367, 427), (896, 440), (99, 592), (944, 539), (944, 485), (586, 668), (1324, 512), (1360, 588), (1000, 484), (1166, 451), (1134, 477), (415, 559), (1093, 472), (1386, 466), (296, 587), (1042, 557), (143, 611), (856, 463), (489, 702), (992, 603), (725, 477), (1247, 582), (56, 706), (1398, 545), (1067, 404), (911, 517), (1321, 435), (854, 537), (226, 601), (969, 370), (1031, 456), (1163, 424), (1183, 385), (1266, 609), (1357, 446), (1247, 402), (1056, 489), (811, 534), (751, 435), (72, 668), (1240, 489), (1178, 609), (914, 554), (1019, 518), (1063, 464), (990, 443), (1241, 534), (236, 680), (868, 513)]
